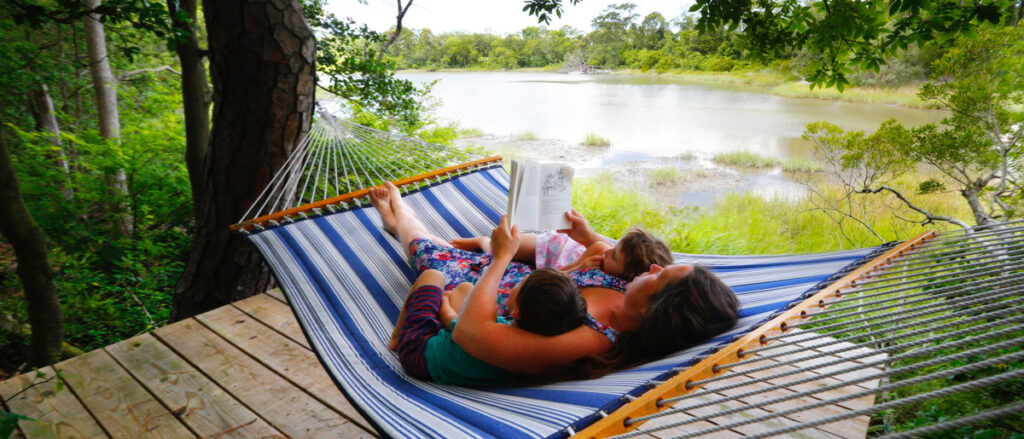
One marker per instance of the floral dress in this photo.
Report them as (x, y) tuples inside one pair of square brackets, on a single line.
[(460, 266)]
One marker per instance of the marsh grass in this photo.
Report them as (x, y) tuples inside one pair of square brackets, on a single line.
[(757, 78), (746, 224), (906, 95), (745, 159), (470, 132), (525, 135), (666, 176), (801, 165), (595, 140)]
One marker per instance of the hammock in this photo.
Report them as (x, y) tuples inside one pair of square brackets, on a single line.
[(346, 280)]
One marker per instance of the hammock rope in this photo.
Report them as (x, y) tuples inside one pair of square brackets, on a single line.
[(339, 158), (920, 313), (956, 299)]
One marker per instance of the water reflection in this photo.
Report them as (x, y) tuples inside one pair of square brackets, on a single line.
[(647, 117)]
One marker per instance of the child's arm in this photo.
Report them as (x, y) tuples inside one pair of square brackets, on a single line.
[(580, 230), (447, 312), (527, 252), (591, 258)]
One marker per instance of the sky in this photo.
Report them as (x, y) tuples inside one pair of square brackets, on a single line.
[(487, 16)]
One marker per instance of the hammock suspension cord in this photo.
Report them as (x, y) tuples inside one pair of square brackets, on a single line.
[(339, 157), (952, 307)]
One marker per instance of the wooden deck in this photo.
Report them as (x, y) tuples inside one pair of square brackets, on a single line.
[(242, 370)]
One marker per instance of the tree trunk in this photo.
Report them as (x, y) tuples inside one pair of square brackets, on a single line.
[(981, 218), (34, 270), (47, 121), (262, 66), (106, 106), (194, 89)]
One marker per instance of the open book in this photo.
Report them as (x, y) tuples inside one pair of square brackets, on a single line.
[(539, 195)]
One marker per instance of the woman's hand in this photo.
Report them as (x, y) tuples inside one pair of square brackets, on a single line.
[(505, 240), (580, 230), (478, 243)]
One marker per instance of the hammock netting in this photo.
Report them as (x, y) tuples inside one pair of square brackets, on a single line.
[(346, 280)]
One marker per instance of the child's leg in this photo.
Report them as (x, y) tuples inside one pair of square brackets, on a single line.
[(420, 323), (429, 277)]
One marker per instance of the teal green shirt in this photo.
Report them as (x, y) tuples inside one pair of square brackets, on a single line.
[(449, 364)]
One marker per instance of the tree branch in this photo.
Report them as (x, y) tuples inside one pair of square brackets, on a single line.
[(132, 73), (928, 215), (398, 27)]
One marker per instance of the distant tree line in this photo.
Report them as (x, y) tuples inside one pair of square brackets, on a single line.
[(620, 38)]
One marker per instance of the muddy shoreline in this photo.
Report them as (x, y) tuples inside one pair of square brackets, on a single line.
[(676, 182)]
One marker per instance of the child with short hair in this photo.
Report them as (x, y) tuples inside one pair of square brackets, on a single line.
[(547, 302)]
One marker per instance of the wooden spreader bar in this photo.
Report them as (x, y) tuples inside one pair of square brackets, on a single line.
[(681, 384), (250, 224)]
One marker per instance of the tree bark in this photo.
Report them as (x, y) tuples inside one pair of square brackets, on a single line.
[(34, 270), (262, 67), (970, 194), (194, 90), (47, 121), (106, 106)]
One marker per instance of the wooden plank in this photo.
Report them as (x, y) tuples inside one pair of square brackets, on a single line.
[(292, 361), (848, 428), (277, 294), (120, 404), (274, 314), (205, 408), (747, 429), (822, 381), (57, 413), (285, 406)]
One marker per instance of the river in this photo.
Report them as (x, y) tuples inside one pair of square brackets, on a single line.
[(649, 117)]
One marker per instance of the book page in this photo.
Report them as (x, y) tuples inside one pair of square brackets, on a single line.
[(527, 198), (513, 179), (555, 196)]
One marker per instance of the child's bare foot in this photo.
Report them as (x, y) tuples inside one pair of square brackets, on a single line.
[(380, 197)]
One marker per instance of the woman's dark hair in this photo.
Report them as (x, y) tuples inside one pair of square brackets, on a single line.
[(641, 249), (550, 303), (685, 313)]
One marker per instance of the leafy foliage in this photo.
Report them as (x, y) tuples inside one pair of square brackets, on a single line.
[(848, 34), (979, 147), (349, 57)]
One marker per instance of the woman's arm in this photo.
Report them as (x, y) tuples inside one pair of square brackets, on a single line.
[(509, 347)]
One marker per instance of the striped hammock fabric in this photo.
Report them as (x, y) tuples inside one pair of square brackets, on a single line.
[(346, 280)]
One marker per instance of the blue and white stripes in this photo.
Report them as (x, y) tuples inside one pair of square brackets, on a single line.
[(346, 280)]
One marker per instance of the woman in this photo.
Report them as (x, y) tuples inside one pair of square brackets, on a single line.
[(660, 311)]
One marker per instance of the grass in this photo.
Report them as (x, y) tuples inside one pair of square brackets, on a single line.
[(470, 132), (745, 159), (801, 165), (666, 176), (525, 135), (595, 140), (749, 224), (757, 78), (905, 96)]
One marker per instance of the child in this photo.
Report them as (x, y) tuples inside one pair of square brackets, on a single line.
[(547, 302), (631, 256)]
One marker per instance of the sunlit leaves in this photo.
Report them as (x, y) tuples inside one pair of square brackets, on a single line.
[(848, 34)]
